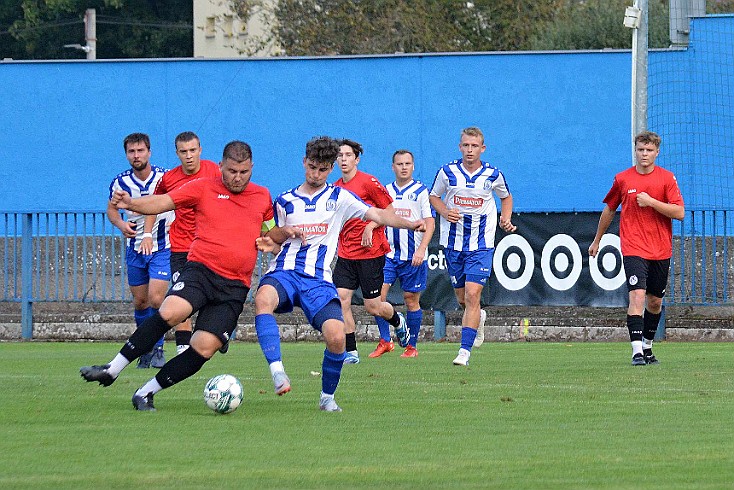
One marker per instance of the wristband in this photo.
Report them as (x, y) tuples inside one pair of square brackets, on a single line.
[(148, 235)]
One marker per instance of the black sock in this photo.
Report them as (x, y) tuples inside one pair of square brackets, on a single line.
[(183, 337), (395, 320), (351, 341), (144, 337), (180, 367), (634, 325), (651, 321)]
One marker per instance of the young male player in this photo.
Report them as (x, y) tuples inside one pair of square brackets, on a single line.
[(361, 253), (148, 251), (230, 214), (183, 228), (650, 200), (408, 251), (468, 223), (300, 273)]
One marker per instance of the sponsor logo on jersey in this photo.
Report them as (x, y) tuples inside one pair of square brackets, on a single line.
[(631, 191), (310, 207), (403, 213), (469, 202), (314, 228), (223, 196)]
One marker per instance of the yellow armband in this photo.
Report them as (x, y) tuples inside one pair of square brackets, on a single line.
[(268, 225)]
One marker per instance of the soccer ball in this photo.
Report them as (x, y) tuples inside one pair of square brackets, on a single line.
[(223, 393)]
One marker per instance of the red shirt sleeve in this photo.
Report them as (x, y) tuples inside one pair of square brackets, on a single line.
[(613, 198)]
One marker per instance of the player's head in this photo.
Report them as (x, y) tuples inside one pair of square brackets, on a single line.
[(236, 166), (647, 149), (188, 151), (403, 165), (471, 145), (137, 150), (321, 152), (348, 158)]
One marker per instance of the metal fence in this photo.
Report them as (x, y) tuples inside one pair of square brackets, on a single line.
[(80, 257)]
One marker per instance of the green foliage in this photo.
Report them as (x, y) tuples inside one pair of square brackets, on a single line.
[(598, 24), (522, 415), (125, 28)]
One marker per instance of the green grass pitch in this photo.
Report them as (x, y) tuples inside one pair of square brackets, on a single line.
[(522, 415)]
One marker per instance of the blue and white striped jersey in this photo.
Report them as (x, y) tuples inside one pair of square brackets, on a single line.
[(472, 196), (321, 217), (410, 202), (128, 182)]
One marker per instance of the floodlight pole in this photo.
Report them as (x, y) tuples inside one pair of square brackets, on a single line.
[(90, 33), (639, 71)]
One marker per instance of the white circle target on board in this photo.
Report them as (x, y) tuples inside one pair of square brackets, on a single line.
[(561, 262), (513, 262), (609, 261)]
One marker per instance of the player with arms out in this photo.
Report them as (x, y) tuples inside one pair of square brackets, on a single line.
[(148, 252), (300, 273), (650, 200), (408, 251), (231, 212), (361, 255), (468, 224), (183, 228)]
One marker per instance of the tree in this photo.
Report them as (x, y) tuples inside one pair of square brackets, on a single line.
[(125, 28), (597, 24)]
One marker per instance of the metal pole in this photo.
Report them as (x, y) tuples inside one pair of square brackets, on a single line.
[(640, 71), (90, 33), (26, 274)]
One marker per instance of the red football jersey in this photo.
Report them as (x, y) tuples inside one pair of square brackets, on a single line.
[(227, 225), (369, 189), (183, 228), (644, 232)]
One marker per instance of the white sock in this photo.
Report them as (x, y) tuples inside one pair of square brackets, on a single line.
[(276, 366), (117, 364), (636, 347), (325, 396), (151, 387), (646, 344)]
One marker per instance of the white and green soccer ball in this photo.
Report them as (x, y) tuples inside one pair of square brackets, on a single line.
[(223, 393)]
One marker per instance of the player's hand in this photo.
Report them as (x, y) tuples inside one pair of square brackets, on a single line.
[(453, 216), (295, 232), (146, 246), (265, 244), (367, 237), (644, 200), (419, 225), (594, 248), (418, 256), (127, 228), (120, 199), (507, 225)]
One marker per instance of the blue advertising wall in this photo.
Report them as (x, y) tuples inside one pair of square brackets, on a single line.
[(557, 124)]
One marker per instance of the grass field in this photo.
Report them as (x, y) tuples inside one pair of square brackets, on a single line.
[(522, 415)]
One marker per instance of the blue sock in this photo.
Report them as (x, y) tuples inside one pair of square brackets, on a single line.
[(153, 311), (141, 315), (414, 319), (384, 328), (331, 371), (268, 336), (467, 338)]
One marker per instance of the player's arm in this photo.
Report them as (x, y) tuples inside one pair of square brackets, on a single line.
[(669, 210), (153, 204), (387, 217), (113, 214), (420, 253), (506, 214), (371, 226), (607, 215), (146, 244), (451, 215)]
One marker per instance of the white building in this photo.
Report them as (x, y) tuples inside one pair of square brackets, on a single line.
[(220, 32)]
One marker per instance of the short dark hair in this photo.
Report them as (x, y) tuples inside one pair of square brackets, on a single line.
[(403, 151), (646, 137), (322, 149), (239, 151), (136, 138), (356, 147), (185, 137)]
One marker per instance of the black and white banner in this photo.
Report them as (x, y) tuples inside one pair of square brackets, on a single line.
[(545, 262)]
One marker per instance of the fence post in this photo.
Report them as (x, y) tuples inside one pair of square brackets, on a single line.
[(26, 274), (439, 325)]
